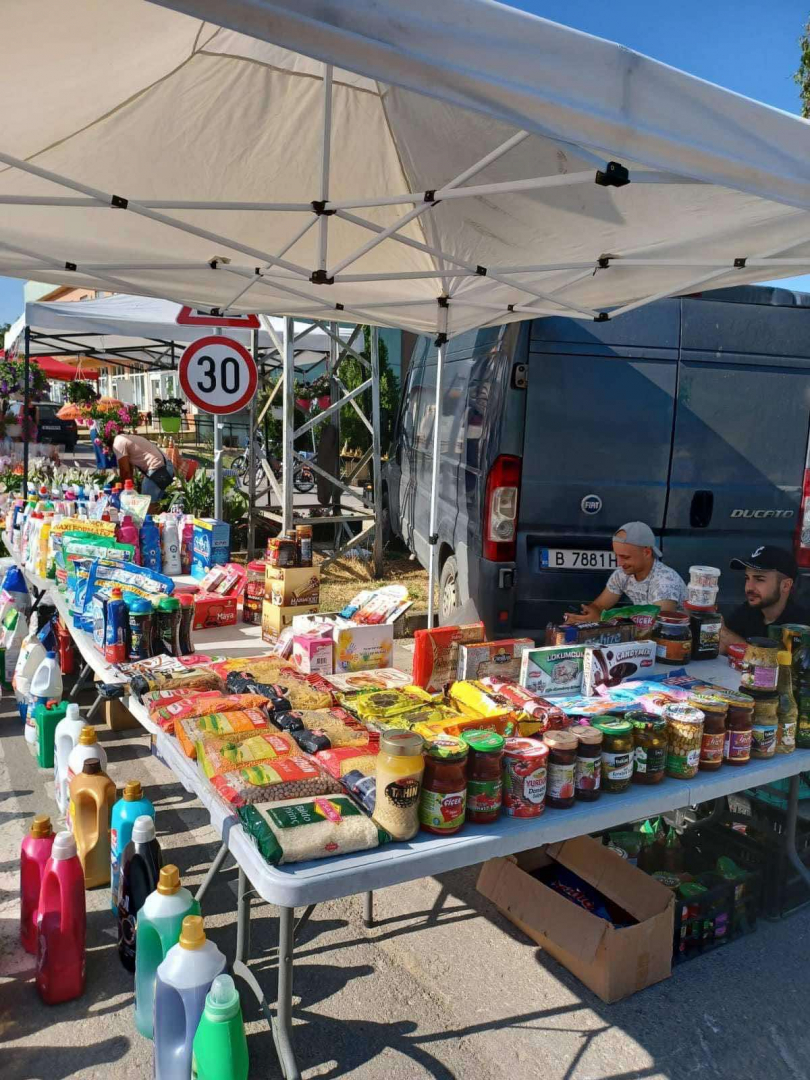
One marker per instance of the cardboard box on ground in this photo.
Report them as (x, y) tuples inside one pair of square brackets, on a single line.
[(612, 962)]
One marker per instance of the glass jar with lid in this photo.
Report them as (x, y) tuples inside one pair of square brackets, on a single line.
[(673, 638), (525, 776), (562, 756), (617, 753), (484, 777), (588, 764), (684, 739), (739, 721), (649, 747), (400, 767), (766, 705), (443, 799), (714, 710)]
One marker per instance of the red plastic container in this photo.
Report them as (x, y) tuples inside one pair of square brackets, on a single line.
[(61, 925), (34, 854), (65, 649)]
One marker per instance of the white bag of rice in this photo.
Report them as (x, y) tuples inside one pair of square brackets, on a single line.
[(313, 828)]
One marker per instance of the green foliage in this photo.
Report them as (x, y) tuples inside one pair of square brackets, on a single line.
[(81, 392), (169, 407), (196, 496), (353, 432), (802, 76), (12, 381)]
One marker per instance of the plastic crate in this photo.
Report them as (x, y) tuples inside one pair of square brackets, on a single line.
[(784, 889)]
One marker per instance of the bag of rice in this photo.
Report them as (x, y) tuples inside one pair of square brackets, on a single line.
[(220, 754), (346, 758), (286, 778), (189, 732), (310, 829)]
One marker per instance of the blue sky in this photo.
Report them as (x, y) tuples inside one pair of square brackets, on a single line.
[(746, 45)]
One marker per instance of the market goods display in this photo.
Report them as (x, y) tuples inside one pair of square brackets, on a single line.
[(245, 722), (283, 779), (217, 755), (313, 828)]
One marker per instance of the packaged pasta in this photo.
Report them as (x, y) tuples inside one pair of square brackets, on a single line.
[(302, 691), (155, 698), (185, 679), (263, 668), (220, 755), (189, 732), (313, 828), (277, 781), (204, 703), (344, 759)]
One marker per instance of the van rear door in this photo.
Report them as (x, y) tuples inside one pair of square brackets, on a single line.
[(599, 416)]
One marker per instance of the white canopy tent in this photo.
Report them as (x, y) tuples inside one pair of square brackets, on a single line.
[(443, 166)]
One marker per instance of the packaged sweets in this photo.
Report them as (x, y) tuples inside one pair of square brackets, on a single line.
[(383, 704), (345, 759), (310, 829), (362, 788), (377, 679), (220, 755), (472, 698), (642, 616), (535, 715), (501, 658), (555, 669), (606, 666), (435, 653), (189, 732), (277, 781)]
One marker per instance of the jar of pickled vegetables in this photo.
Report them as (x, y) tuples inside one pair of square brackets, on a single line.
[(763, 740), (714, 710), (484, 779), (649, 747), (617, 754), (684, 739), (562, 756), (400, 766)]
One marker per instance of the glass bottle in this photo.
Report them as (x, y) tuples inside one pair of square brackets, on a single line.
[(787, 712), (400, 766)]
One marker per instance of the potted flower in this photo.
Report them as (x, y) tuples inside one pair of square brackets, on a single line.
[(321, 389), (303, 396), (81, 392), (170, 413)]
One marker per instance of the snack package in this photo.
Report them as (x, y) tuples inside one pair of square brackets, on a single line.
[(283, 779), (185, 679), (435, 653), (303, 691), (609, 665), (377, 679), (310, 829), (458, 723), (155, 698), (362, 788), (592, 633), (532, 708), (220, 755), (264, 668), (642, 616), (383, 704), (553, 669), (471, 698), (344, 759), (190, 732), (501, 658)]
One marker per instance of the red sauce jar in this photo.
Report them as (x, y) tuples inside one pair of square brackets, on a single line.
[(524, 777), (739, 722), (484, 779), (443, 798), (562, 756)]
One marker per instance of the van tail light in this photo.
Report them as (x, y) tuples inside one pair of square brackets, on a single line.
[(801, 539), (501, 509)]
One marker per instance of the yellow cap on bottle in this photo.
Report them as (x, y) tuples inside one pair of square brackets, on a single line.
[(41, 827), (784, 658), (87, 736), (192, 936), (169, 880), (133, 790)]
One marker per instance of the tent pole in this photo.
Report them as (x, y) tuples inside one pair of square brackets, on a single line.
[(334, 394), (376, 463), (251, 533), (288, 426), (433, 538), (217, 456), (26, 428)]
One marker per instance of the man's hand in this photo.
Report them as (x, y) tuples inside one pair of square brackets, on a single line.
[(589, 613)]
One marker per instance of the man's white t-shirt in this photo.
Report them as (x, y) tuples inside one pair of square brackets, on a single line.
[(662, 583)]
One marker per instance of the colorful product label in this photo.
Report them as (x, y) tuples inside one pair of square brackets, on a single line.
[(560, 781), (763, 740), (675, 651), (442, 811), (737, 746), (711, 747), (787, 734), (617, 766), (651, 759), (588, 773), (524, 789), (683, 764), (484, 796)]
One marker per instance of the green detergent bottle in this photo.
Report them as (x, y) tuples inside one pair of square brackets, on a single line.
[(220, 1046), (46, 717)]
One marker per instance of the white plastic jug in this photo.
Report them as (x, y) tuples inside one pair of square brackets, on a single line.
[(183, 980), (32, 652), (170, 545), (14, 633), (66, 738), (46, 684)]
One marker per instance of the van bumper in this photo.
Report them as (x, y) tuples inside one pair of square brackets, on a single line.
[(493, 593)]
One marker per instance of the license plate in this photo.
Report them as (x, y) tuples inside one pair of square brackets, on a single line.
[(572, 559)]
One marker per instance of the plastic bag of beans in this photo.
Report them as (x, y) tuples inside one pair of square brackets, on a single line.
[(221, 754), (286, 778)]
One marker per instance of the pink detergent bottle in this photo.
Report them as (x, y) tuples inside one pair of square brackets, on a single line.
[(61, 925), (127, 533), (34, 854)]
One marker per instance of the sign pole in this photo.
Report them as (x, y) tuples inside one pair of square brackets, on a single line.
[(218, 456)]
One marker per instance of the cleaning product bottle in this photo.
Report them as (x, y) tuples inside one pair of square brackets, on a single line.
[(61, 925), (150, 545), (127, 533), (34, 854), (183, 980), (115, 497), (41, 555), (186, 544), (115, 629), (23, 694), (220, 1045), (140, 870), (46, 718), (65, 738), (92, 794), (32, 651), (15, 630), (126, 811), (46, 685), (160, 921), (170, 547), (85, 749)]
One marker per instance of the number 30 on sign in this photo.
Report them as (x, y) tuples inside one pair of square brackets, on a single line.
[(218, 375)]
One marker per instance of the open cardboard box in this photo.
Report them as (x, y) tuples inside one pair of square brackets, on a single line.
[(614, 963)]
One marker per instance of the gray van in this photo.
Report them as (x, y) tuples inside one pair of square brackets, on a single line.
[(690, 414)]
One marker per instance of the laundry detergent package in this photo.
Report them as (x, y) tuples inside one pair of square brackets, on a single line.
[(211, 545)]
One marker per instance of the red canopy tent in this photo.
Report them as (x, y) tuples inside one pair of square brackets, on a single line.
[(57, 369)]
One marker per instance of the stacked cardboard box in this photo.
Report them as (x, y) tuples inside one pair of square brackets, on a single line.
[(288, 591)]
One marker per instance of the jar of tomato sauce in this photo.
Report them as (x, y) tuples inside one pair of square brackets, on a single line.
[(588, 765), (484, 780), (443, 798), (739, 721), (562, 756), (715, 710), (524, 777)]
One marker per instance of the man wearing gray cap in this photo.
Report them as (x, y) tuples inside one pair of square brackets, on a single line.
[(641, 577)]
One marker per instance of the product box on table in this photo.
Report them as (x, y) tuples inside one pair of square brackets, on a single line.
[(589, 633), (211, 545), (294, 586), (275, 618), (501, 658), (552, 669), (357, 648), (609, 665), (312, 654), (212, 610), (613, 962), (435, 653)]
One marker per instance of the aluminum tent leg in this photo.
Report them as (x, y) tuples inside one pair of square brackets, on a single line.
[(288, 426), (368, 910), (282, 1025), (82, 681), (26, 426), (790, 839), (213, 869), (251, 519), (242, 919), (377, 451), (433, 537)]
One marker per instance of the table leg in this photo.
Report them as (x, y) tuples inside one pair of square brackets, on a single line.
[(368, 910), (219, 859), (282, 1025), (242, 919), (790, 839), (81, 682)]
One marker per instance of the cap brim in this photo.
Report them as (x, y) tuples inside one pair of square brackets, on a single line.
[(740, 564), (657, 552)]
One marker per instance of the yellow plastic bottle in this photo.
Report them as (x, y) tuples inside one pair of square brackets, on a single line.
[(92, 795)]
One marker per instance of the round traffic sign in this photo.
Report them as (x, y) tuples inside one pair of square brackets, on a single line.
[(218, 375)]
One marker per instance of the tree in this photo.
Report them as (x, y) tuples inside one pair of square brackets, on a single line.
[(802, 76), (353, 432)]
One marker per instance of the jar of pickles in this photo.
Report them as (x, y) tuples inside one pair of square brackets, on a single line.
[(766, 704), (562, 756), (763, 740), (684, 739), (617, 754), (588, 764), (484, 779), (649, 747), (714, 710)]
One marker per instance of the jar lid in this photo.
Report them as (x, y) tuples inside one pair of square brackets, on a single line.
[(673, 618), (520, 747), (683, 714), (643, 721), (139, 606), (589, 735), (401, 743), (708, 701), (735, 698), (560, 740), (613, 726), (168, 603), (483, 742), (447, 748), (669, 881), (765, 643)]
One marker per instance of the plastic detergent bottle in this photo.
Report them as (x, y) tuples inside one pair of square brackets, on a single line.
[(115, 628), (183, 980), (15, 631), (61, 925), (150, 545), (170, 547), (65, 738), (32, 651), (41, 554), (47, 718), (186, 544), (127, 533), (132, 805), (46, 685), (140, 870), (34, 855), (115, 496), (160, 921), (92, 794), (220, 1045), (22, 692), (85, 749)]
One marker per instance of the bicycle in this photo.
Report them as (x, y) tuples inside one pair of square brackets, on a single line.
[(303, 476)]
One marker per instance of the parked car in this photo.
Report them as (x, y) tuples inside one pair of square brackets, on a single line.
[(50, 429), (690, 414)]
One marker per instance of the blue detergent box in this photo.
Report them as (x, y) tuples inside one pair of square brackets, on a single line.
[(211, 545)]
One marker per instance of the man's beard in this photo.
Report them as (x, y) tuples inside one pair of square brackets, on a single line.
[(767, 601)]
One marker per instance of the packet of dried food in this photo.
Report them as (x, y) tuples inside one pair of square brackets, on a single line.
[(208, 702), (221, 754), (362, 788), (188, 732), (344, 759), (313, 828), (312, 741), (264, 668), (642, 616), (155, 698), (184, 679), (286, 778), (288, 721), (382, 704), (435, 653)]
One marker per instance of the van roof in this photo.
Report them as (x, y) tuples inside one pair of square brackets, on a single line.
[(755, 294)]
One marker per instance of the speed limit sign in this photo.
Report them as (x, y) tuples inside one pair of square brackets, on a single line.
[(218, 375)]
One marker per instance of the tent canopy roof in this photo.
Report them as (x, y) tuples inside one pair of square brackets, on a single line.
[(150, 151)]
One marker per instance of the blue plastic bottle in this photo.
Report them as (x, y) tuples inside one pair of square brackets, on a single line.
[(133, 804), (150, 545), (116, 628)]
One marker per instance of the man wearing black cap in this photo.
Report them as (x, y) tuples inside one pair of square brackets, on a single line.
[(769, 576)]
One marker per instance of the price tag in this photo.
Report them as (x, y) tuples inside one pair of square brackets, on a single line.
[(218, 375)]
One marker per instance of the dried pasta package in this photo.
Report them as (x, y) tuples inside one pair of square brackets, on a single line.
[(277, 781), (312, 741), (217, 755), (265, 668), (204, 703), (189, 732), (314, 828), (155, 698), (242, 683), (344, 759), (184, 679), (288, 721)]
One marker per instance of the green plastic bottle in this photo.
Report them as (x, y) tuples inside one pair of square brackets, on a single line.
[(220, 1045), (46, 718)]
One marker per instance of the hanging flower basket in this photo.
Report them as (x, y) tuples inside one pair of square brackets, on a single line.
[(324, 401), (171, 424), (303, 404)]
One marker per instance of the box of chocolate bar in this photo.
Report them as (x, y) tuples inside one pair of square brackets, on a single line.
[(292, 586), (609, 665)]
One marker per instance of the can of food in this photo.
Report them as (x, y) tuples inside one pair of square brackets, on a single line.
[(303, 537), (524, 777)]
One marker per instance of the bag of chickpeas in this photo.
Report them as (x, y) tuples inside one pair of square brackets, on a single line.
[(287, 778)]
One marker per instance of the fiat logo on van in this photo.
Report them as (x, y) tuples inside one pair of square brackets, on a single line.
[(591, 504)]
